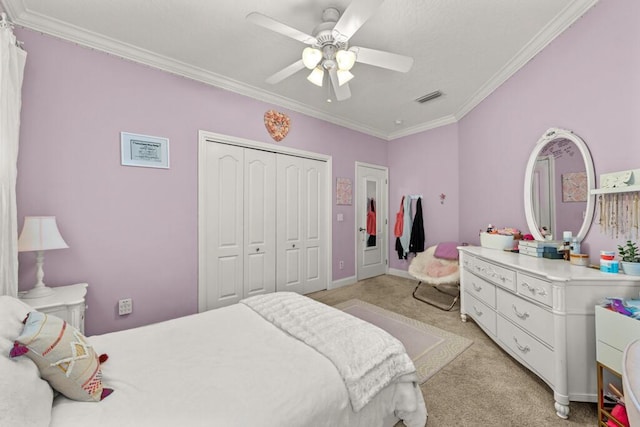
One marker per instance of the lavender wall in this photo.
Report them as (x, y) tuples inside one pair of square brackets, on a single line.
[(426, 164), (132, 231), (588, 81)]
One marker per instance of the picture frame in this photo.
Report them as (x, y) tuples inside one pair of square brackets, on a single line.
[(344, 191), (574, 187), (144, 150)]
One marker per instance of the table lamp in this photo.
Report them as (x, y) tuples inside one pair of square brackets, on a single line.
[(40, 233)]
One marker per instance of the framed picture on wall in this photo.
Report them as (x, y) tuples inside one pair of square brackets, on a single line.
[(144, 151), (574, 187), (344, 191)]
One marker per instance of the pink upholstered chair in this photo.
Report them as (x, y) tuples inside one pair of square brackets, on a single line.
[(631, 382), (443, 274)]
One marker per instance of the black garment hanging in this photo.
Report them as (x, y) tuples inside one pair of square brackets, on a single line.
[(400, 249), (416, 244)]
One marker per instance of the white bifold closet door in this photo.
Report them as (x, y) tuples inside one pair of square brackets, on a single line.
[(301, 264), (240, 239), (262, 224)]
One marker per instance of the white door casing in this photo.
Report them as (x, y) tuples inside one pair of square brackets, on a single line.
[(372, 182)]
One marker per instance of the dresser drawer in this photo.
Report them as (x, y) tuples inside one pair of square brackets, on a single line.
[(480, 312), (534, 288), (532, 352), (479, 288), (530, 317), (499, 275)]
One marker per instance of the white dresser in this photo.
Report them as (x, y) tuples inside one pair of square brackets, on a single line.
[(541, 312)]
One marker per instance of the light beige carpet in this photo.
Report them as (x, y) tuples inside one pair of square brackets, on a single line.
[(429, 348)]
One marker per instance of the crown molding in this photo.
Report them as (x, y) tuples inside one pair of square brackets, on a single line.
[(569, 15), (442, 121), (22, 16)]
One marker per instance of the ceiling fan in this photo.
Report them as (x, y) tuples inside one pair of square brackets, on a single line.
[(329, 49)]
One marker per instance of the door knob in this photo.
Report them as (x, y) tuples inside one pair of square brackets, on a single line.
[(361, 229)]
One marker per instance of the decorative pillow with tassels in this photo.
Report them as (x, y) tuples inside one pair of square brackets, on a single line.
[(64, 357)]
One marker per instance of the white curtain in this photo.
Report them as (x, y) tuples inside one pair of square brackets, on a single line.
[(12, 63)]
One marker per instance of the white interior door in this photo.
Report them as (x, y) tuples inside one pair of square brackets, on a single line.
[(543, 194), (371, 206), (314, 226), (301, 252), (223, 243), (259, 222), (291, 211)]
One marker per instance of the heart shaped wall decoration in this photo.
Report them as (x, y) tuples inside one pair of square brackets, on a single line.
[(277, 124)]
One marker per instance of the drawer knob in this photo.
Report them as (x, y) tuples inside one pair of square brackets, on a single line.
[(478, 288), (522, 316), (478, 312), (522, 348)]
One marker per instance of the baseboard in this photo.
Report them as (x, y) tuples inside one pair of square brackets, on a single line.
[(343, 282), (399, 273)]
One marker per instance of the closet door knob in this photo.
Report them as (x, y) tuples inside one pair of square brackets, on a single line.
[(361, 229)]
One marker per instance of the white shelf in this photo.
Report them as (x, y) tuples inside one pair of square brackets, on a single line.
[(629, 189)]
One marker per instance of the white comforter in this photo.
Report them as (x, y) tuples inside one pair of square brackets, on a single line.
[(367, 358), (226, 367)]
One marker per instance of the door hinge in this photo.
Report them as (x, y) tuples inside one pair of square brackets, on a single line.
[(385, 261)]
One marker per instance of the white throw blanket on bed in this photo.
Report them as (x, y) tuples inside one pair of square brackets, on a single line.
[(367, 357)]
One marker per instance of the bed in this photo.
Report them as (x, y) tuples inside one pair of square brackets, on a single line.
[(249, 364)]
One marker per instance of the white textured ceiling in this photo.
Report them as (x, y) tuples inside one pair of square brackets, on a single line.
[(464, 48)]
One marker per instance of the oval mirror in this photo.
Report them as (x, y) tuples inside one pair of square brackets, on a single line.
[(557, 184)]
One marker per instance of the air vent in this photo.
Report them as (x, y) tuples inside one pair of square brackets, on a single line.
[(429, 97)]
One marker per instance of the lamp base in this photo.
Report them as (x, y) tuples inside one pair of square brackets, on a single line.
[(38, 292)]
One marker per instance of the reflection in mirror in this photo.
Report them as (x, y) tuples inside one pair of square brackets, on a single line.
[(558, 179), (371, 214)]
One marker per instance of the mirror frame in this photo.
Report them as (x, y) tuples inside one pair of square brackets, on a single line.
[(550, 135)]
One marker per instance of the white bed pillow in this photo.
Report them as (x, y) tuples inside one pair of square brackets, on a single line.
[(25, 398)]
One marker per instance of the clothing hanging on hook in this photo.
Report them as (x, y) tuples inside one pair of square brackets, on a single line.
[(416, 243)]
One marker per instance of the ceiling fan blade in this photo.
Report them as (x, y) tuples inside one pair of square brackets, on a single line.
[(279, 27), (354, 16), (380, 58), (286, 72), (342, 92)]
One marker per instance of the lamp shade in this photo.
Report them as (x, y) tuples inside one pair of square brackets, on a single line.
[(317, 76), (344, 76), (40, 233), (311, 57), (345, 59)]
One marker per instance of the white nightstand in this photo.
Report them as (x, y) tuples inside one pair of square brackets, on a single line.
[(67, 303)]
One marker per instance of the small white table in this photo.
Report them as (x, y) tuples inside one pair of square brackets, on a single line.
[(67, 303)]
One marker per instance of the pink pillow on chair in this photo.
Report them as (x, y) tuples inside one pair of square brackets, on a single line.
[(447, 250)]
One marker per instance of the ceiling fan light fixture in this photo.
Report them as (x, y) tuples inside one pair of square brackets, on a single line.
[(344, 76), (311, 57), (317, 76), (345, 59)]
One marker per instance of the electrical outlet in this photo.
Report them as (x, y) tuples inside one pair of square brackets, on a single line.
[(125, 306), (340, 265)]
